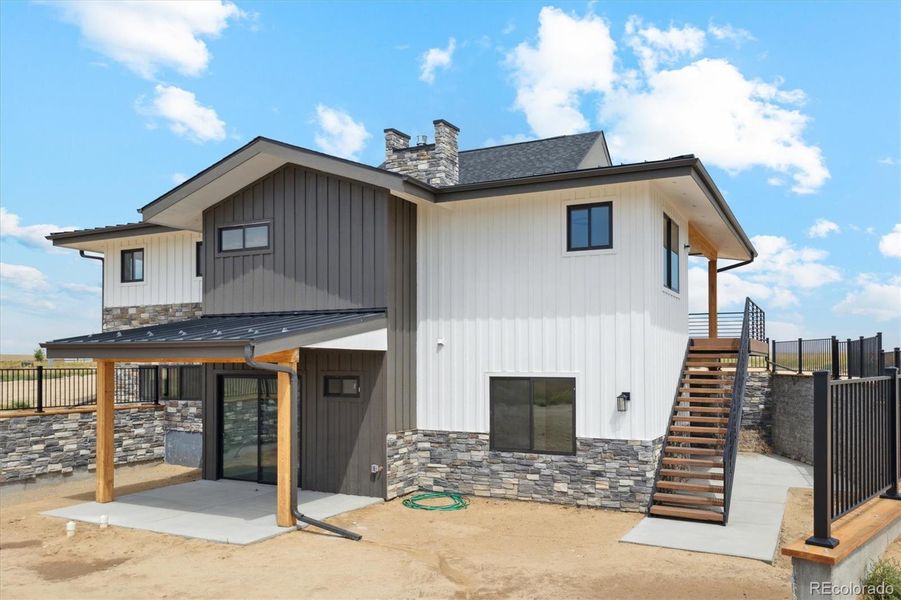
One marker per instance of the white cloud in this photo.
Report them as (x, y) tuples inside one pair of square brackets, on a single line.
[(707, 107), (775, 181), (22, 277), (784, 330), (33, 236), (710, 109), (338, 133), (823, 227), (509, 28), (874, 298), (436, 58), (185, 116), (82, 288), (508, 139), (178, 178), (777, 276), (890, 243), (147, 36), (653, 46), (728, 32), (888, 160), (572, 56)]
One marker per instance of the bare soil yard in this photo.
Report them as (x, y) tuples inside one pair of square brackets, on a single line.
[(493, 549)]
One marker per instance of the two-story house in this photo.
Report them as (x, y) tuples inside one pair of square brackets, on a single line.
[(509, 321)]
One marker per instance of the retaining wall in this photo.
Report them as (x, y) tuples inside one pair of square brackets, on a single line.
[(792, 431)]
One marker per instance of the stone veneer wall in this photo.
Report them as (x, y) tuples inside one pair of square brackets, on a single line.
[(757, 409), (793, 416), (615, 474), (127, 317), (34, 446), (184, 432), (436, 164)]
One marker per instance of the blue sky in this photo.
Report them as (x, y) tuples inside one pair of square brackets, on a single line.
[(795, 108)]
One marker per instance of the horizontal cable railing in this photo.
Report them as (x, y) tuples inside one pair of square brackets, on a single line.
[(40, 388), (729, 324), (857, 426)]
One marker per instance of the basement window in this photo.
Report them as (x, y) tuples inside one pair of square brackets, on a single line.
[(244, 237), (341, 386), (589, 226), (133, 265), (670, 254), (533, 414)]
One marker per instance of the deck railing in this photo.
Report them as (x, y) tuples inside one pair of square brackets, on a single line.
[(856, 432), (40, 388), (730, 324), (861, 357)]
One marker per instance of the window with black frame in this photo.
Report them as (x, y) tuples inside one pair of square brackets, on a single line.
[(341, 386), (589, 226), (533, 414), (670, 253), (133, 265), (198, 259), (236, 238)]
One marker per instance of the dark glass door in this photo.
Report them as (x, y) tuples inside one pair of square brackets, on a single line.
[(249, 438)]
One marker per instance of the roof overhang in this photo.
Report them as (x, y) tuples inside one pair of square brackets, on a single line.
[(218, 338), (89, 239), (183, 206), (685, 181)]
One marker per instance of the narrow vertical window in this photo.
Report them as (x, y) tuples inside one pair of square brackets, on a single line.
[(670, 254), (198, 259), (133, 265)]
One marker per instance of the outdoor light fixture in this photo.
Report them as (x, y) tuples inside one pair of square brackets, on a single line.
[(622, 400)]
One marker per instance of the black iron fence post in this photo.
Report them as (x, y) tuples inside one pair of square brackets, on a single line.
[(799, 355), (773, 354), (860, 357), (156, 384), (40, 390), (897, 358), (880, 356), (894, 434), (822, 463), (835, 372)]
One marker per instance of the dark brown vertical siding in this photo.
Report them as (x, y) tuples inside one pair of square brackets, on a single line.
[(401, 266), (341, 438), (326, 231)]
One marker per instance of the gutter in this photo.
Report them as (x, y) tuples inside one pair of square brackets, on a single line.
[(738, 264), (294, 443), (82, 254)]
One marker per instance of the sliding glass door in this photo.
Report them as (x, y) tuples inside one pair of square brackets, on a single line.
[(248, 427)]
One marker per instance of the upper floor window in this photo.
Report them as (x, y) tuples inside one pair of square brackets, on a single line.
[(533, 414), (133, 265), (589, 226), (342, 386), (198, 259), (244, 237), (670, 253)]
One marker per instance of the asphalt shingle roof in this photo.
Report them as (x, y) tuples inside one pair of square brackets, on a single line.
[(524, 159)]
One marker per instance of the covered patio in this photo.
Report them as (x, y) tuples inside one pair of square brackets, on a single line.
[(266, 342)]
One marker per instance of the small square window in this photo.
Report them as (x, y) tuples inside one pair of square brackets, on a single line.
[(133, 265), (589, 226), (533, 414), (231, 238), (342, 386), (256, 236)]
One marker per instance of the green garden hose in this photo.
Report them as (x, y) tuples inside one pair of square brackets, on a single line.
[(458, 501)]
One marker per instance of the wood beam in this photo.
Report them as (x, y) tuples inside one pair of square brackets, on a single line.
[(105, 419), (699, 243), (711, 299), (284, 515)]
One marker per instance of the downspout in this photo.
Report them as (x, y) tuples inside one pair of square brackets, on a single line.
[(82, 254), (249, 351)]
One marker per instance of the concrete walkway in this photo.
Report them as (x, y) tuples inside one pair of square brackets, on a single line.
[(233, 512), (758, 502)]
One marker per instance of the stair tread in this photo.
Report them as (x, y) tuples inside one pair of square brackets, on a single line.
[(692, 429), (705, 400), (689, 450), (693, 462), (683, 474), (687, 499), (699, 364), (690, 487), (719, 410), (676, 439), (713, 354), (687, 513), (677, 418)]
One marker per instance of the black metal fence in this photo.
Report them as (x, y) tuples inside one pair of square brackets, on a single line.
[(861, 357), (857, 428), (40, 388)]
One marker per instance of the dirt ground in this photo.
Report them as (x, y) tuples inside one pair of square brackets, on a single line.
[(493, 549)]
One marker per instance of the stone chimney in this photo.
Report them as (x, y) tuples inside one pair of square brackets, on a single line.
[(436, 164)]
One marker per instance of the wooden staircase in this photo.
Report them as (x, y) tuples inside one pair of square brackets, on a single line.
[(690, 479)]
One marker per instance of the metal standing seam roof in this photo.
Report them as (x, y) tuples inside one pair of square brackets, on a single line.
[(229, 331), (523, 159)]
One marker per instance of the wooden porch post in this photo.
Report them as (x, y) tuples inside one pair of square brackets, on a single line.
[(105, 419), (284, 514), (711, 298)]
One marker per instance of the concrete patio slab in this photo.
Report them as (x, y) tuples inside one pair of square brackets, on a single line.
[(232, 512), (759, 494)]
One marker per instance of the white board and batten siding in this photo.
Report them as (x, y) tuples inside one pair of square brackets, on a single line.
[(497, 287), (169, 270)]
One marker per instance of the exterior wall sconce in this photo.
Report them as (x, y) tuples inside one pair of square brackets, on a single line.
[(622, 401)]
